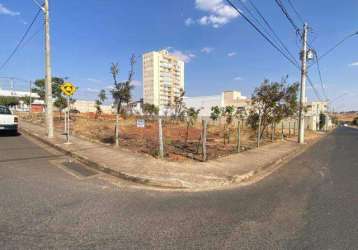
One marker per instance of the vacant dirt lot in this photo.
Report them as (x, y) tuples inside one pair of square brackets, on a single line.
[(180, 142)]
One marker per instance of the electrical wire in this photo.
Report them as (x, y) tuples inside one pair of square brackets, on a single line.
[(289, 18), (271, 29), (314, 88), (337, 45), (295, 10), (320, 76), (261, 33), (273, 44), (20, 41)]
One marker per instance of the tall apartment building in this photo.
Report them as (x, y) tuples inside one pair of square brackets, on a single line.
[(163, 78)]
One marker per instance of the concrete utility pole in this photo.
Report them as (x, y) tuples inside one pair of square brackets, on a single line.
[(30, 106), (48, 74), (301, 121)]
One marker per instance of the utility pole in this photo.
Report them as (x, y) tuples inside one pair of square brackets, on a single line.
[(301, 121), (48, 75), (30, 106)]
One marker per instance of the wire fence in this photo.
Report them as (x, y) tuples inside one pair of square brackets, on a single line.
[(202, 140)]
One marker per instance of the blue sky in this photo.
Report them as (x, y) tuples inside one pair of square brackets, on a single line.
[(221, 50)]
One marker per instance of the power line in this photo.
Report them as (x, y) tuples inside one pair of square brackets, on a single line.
[(273, 44), (295, 10), (20, 41), (337, 45), (289, 18), (261, 33), (271, 29), (314, 88), (320, 76)]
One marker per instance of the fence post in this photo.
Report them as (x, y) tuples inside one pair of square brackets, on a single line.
[(259, 131), (117, 130), (238, 136), (161, 146), (205, 124), (282, 138)]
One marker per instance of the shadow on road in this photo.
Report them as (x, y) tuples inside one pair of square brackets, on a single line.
[(9, 134)]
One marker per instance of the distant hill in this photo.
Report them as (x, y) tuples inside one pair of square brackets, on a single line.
[(347, 116)]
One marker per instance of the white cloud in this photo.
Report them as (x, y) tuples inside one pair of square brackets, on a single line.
[(94, 80), (354, 64), (136, 83), (6, 11), (189, 21), (231, 54), (207, 50), (92, 90), (238, 78), (220, 13), (184, 56)]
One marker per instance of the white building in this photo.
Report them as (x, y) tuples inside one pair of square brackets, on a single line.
[(226, 98), (90, 106), (16, 93), (163, 78), (313, 116)]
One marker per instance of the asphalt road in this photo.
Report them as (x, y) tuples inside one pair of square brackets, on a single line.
[(310, 203)]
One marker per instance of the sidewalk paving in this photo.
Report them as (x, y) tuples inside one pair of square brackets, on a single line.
[(147, 170)]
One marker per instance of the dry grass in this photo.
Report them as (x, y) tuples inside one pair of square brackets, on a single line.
[(145, 140)]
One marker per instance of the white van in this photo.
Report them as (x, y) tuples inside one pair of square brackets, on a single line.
[(8, 121)]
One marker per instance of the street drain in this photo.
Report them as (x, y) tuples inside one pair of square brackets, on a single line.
[(78, 169)]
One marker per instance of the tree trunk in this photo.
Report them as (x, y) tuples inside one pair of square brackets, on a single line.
[(187, 134), (117, 130)]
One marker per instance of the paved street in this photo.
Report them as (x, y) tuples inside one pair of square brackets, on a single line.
[(310, 203)]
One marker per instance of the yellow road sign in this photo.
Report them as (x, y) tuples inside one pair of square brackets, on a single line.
[(68, 88)]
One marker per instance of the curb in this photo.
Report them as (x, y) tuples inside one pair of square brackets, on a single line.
[(175, 184), (105, 169)]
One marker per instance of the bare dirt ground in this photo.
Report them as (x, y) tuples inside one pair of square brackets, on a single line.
[(181, 143)]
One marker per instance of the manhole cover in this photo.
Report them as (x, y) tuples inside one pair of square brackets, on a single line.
[(78, 169)]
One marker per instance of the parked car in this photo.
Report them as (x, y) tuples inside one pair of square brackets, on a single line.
[(8, 121)]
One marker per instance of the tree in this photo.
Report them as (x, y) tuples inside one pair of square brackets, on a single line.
[(8, 101), (272, 101), (215, 113), (179, 106), (39, 87), (150, 109), (122, 91), (322, 121), (228, 113), (101, 98), (26, 99), (191, 115), (60, 101), (355, 121)]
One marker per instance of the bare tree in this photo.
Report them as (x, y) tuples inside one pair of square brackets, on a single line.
[(122, 91)]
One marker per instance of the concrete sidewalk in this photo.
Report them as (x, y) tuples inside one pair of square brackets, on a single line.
[(147, 170)]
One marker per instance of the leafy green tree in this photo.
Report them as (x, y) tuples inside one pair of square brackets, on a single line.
[(273, 101), (228, 113), (355, 121), (101, 98), (191, 116), (39, 87), (122, 91), (215, 113), (8, 101), (60, 101), (322, 121), (26, 99), (150, 109)]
